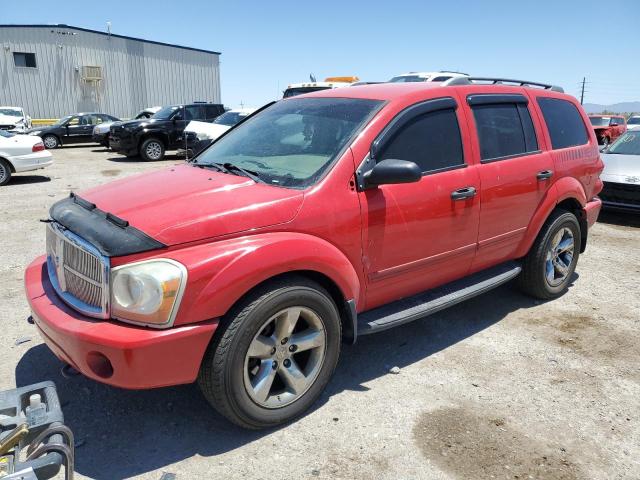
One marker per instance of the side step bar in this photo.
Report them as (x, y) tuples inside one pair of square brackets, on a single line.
[(432, 301)]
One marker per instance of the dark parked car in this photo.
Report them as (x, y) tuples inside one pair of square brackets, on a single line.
[(76, 128), (151, 138), (101, 131)]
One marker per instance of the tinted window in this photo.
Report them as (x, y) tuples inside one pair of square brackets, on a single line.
[(21, 59), (194, 112), (431, 140), (564, 122), (212, 111), (504, 130), (440, 79), (634, 121)]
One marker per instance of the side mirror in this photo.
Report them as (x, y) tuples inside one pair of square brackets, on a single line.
[(392, 171), (613, 124)]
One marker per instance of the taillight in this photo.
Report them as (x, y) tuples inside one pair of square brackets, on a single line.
[(38, 147)]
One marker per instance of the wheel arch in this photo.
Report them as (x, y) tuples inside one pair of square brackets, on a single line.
[(160, 135), (567, 194), (11, 166), (243, 264)]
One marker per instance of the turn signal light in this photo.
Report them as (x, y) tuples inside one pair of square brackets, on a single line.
[(38, 147)]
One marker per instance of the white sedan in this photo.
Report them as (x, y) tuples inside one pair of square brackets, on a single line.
[(21, 153), (14, 119)]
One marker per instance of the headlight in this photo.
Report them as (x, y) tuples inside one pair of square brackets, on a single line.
[(35, 132), (148, 292)]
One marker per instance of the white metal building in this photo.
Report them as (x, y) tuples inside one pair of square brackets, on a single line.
[(55, 70)]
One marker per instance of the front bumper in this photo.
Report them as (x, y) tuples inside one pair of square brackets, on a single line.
[(136, 357), (122, 142), (624, 197)]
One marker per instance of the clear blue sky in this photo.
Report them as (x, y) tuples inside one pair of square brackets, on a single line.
[(267, 44)]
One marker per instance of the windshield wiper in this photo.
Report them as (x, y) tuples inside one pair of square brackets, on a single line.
[(231, 168), (216, 166)]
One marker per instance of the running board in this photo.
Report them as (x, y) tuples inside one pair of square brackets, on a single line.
[(432, 301)]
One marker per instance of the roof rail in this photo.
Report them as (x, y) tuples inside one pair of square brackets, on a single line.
[(493, 81)]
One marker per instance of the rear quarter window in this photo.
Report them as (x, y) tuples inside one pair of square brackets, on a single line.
[(564, 122)]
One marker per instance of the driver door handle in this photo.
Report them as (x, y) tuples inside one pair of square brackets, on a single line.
[(544, 175), (463, 193)]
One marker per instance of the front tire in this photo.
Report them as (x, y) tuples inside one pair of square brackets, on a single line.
[(274, 354), (548, 267), (5, 172), (51, 141), (152, 150)]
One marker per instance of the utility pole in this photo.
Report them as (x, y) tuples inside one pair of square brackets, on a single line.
[(584, 79)]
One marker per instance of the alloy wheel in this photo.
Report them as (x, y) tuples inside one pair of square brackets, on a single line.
[(285, 357), (50, 142), (559, 257), (153, 150)]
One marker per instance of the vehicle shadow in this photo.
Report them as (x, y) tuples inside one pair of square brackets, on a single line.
[(620, 219), (26, 180), (167, 425)]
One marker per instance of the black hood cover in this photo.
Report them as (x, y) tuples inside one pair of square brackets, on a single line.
[(111, 235)]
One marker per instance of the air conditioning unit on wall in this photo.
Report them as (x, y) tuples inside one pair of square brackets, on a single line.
[(91, 73)]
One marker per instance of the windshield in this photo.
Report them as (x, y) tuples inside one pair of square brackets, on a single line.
[(292, 92), (165, 113), (627, 144), (293, 142), (230, 118), (407, 78), (6, 134), (600, 121), (10, 112), (63, 120), (633, 121)]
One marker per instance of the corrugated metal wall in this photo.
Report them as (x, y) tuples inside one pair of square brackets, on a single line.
[(136, 74)]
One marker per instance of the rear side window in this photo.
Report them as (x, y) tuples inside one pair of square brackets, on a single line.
[(504, 130), (431, 140), (564, 123)]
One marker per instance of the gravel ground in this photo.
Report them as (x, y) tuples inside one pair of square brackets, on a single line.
[(498, 387)]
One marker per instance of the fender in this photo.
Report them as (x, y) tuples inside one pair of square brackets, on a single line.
[(150, 132), (221, 273), (563, 189)]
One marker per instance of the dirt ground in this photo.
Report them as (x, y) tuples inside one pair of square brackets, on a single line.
[(501, 386)]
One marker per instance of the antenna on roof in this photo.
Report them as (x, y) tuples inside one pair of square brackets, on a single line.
[(109, 28), (312, 77)]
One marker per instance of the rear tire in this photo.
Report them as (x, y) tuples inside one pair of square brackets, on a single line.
[(5, 172), (548, 267), (51, 141), (152, 150), (257, 379)]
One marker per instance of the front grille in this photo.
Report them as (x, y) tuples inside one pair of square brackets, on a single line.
[(621, 193), (78, 274), (7, 127)]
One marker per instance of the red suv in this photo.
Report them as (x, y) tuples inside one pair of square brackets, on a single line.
[(319, 219), (608, 128)]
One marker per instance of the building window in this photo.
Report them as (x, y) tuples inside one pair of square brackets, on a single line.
[(22, 59)]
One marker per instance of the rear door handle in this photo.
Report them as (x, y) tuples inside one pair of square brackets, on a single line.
[(463, 193), (544, 175)]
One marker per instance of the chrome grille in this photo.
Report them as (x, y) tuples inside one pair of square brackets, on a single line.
[(78, 274)]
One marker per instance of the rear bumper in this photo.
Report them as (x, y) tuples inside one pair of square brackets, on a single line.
[(592, 210), (32, 161), (100, 137), (137, 357)]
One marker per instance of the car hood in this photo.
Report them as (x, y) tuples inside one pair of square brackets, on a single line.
[(206, 131), (185, 203), (621, 168)]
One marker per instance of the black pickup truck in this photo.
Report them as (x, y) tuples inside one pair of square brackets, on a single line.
[(152, 137)]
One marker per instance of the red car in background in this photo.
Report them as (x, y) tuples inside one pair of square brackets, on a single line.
[(608, 127)]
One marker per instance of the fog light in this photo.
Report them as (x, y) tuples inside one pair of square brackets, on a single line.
[(99, 364)]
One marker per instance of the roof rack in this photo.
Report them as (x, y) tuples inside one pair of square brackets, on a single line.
[(493, 81)]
